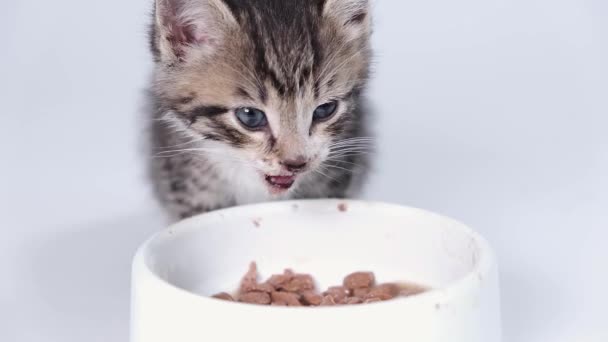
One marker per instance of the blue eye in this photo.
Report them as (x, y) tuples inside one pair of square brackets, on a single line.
[(325, 111), (251, 118)]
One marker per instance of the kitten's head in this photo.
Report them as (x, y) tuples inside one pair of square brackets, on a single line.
[(273, 83)]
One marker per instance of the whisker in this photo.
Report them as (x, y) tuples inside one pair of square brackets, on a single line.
[(355, 139), (171, 155), (201, 152), (188, 150), (325, 175), (337, 160), (331, 166), (349, 150), (353, 143), (350, 154), (182, 144)]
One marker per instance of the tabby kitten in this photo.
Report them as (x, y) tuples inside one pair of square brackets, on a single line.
[(258, 100)]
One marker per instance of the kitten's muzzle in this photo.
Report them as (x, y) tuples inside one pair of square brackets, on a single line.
[(285, 179)]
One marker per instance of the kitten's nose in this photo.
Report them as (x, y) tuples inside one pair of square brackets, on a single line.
[(295, 165)]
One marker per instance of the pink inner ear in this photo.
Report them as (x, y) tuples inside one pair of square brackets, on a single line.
[(187, 34), (182, 36), (194, 35)]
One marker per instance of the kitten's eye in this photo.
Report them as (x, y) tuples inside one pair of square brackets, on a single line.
[(325, 111), (251, 118)]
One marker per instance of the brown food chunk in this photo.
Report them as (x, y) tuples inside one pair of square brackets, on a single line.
[(299, 284), (359, 280), (291, 289), (250, 282), (312, 298), (286, 299), (224, 296), (361, 293), (328, 301), (383, 292), (264, 287), (353, 301), (338, 293), (260, 298), (280, 280), (250, 279)]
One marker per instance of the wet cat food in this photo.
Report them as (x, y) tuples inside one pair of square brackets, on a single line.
[(293, 289)]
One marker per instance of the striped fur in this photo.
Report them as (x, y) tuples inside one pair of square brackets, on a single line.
[(284, 57)]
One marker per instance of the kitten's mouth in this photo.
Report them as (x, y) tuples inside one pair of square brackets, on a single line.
[(280, 183)]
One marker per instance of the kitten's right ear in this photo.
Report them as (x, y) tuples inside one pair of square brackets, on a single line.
[(182, 27)]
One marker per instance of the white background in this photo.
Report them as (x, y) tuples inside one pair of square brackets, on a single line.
[(490, 111)]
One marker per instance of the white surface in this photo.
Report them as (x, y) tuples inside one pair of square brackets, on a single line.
[(204, 254), (493, 112)]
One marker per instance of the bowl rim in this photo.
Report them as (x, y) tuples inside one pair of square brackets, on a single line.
[(485, 259)]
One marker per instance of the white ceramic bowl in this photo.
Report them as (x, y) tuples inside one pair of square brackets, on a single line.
[(175, 271)]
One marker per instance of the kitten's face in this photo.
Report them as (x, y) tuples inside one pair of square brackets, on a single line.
[(271, 84)]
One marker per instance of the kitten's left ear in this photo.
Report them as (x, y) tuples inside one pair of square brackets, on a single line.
[(185, 26), (354, 16)]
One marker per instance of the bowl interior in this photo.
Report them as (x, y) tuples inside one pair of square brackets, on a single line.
[(328, 239)]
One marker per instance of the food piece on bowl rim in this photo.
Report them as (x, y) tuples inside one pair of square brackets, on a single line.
[(224, 296)]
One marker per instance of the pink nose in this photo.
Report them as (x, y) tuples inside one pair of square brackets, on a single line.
[(295, 165)]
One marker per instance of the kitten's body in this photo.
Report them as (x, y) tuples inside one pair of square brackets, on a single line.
[(285, 57)]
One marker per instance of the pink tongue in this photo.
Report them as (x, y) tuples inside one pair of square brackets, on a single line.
[(282, 180)]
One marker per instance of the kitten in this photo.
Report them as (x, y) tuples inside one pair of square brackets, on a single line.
[(258, 100)]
